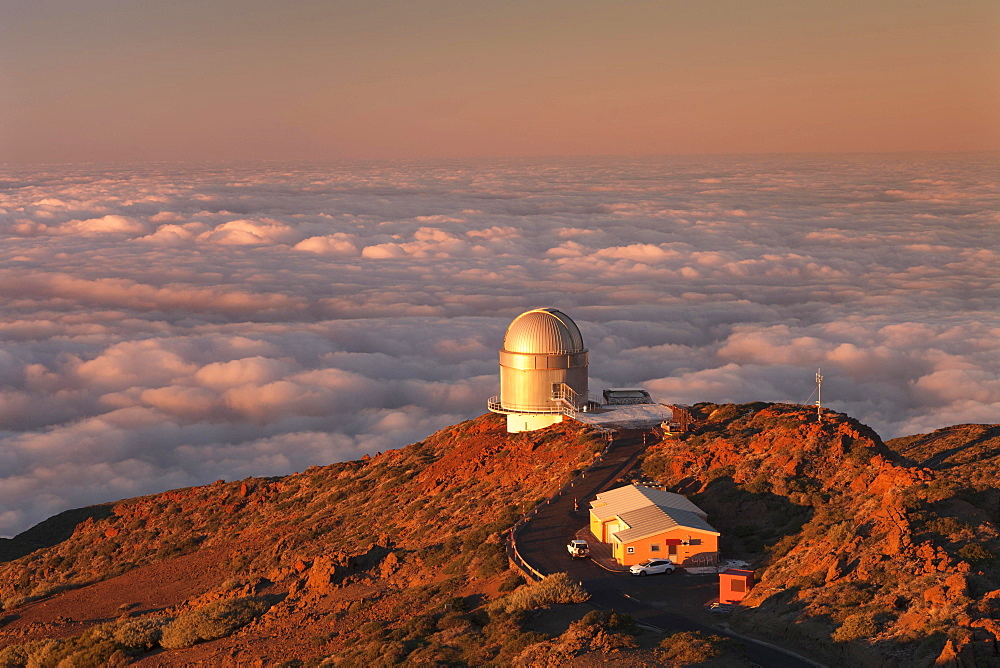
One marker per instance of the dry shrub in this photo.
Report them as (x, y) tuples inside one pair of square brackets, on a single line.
[(693, 648), (554, 589), (215, 620), (140, 635), (855, 627), (17, 656)]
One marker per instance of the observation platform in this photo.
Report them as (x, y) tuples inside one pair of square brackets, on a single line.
[(628, 416)]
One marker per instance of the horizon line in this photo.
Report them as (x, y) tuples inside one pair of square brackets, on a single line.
[(483, 158)]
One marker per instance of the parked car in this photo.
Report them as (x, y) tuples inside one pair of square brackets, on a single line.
[(578, 549), (652, 567)]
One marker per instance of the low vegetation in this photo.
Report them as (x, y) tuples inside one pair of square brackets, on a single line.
[(693, 648), (211, 621), (552, 590)]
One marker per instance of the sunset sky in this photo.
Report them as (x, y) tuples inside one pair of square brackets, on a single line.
[(107, 80), (430, 169)]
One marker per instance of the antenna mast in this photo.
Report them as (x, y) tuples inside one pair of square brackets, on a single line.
[(819, 396)]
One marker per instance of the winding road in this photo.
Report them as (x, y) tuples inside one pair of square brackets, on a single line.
[(541, 541)]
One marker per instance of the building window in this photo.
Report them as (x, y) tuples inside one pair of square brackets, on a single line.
[(654, 547), (738, 585), (630, 550)]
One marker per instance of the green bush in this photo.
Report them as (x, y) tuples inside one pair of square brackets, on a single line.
[(96, 646), (610, 620), (92, 648), (215, 620), (554, 589), (17, 656)]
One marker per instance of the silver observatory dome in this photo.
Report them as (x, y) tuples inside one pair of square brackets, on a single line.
[(543, 370), (543, 330)]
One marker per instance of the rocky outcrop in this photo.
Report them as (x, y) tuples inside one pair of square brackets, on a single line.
[(838, 524)]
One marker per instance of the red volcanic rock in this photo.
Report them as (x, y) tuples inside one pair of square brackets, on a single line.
[(111, 532), (950, 592), (829, 512), (948, 655), (326, 572), (389, 565)]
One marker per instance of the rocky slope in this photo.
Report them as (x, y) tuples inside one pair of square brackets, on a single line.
[(322, 563), (875, 554), (868, 553)]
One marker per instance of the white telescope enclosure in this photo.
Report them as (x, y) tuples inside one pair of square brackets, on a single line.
[(543, 370)]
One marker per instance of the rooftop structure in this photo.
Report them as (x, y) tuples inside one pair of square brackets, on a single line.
[(625, 396), (623, 499)]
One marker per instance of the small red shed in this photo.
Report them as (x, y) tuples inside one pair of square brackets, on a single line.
[(734, 585)]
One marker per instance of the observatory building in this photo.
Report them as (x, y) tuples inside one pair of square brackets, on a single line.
[(543, 371), (543, 379)]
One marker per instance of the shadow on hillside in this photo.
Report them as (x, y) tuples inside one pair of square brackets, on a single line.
[(750, 521), (938, 460), (913, 450), (51, 532)]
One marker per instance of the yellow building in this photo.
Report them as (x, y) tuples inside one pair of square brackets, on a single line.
[(643, 523)]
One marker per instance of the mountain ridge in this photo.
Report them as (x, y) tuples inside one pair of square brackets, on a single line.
[(343, 554)]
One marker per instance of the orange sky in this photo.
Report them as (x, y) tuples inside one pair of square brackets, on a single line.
[(116, 80)]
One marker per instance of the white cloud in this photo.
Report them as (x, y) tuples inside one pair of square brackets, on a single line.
[(340, 244), (250, 233), (161, 329), (110, 224)]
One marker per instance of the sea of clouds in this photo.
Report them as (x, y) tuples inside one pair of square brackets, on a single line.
[(166, 325)]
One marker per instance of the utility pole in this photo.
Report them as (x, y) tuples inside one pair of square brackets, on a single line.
[(819, 396)]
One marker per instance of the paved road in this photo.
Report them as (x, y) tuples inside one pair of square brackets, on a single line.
[(542, 543)]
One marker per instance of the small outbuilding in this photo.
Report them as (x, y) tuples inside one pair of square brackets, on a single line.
[(643, 523), (734, 584)]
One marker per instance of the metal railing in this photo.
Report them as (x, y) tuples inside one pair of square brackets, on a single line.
[(561, 406)]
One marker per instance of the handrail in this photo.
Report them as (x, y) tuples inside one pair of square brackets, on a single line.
[(566, 402)]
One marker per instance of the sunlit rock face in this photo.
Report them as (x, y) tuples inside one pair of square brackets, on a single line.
[(169, 325)]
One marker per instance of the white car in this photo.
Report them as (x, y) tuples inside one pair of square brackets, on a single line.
[(652, 567)]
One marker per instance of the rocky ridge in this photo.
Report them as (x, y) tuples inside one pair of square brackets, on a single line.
[(878, 553), (867, 553)]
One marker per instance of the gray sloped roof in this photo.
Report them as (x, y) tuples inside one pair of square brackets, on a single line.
[(651, 520), (632, 497)]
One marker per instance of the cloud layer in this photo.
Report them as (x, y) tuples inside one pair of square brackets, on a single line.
[(168, 325)]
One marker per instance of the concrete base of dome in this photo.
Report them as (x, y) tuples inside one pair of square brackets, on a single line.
[(518, 422)]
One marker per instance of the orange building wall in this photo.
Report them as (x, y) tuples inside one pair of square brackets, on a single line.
[(734, 585), (704, 554)]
